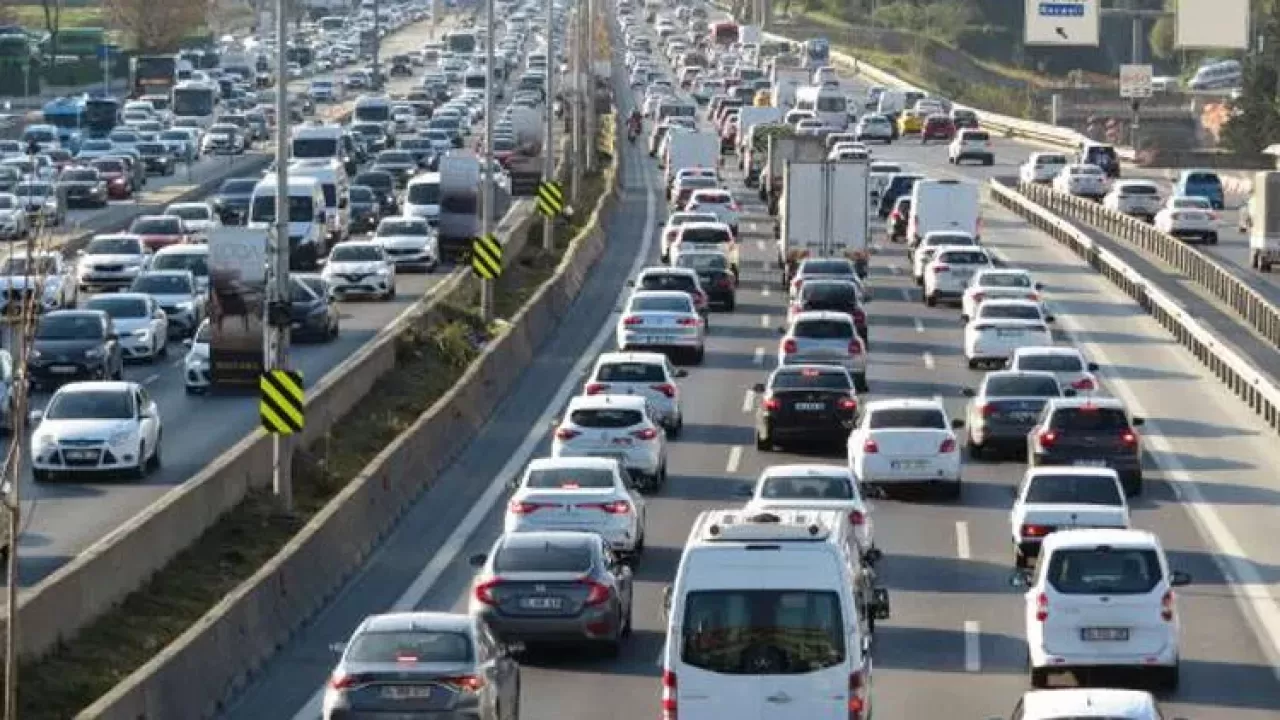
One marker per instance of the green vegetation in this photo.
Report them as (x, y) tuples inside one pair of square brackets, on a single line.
[(1255, 123), (32, 17)]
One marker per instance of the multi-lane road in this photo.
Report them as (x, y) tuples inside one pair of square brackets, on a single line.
[(62, 519), (955, 645)]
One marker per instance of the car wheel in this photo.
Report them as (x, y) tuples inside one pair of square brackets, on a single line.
[(973, 364), (164, 349), (140, 471), (931, 300), (1039, 678), (976, 451), (154, 462), (763, 444)]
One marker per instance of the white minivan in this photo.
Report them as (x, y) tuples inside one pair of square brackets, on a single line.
[(770, 610), (334, 183), (944, 206), (422, 197), (307, 228)]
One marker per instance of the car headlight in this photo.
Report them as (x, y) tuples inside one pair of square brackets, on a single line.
[(45, 442), (95, 353), (34, 354), (384, 271), (51, 203), (186, 307), (120, 437), (142, 334)]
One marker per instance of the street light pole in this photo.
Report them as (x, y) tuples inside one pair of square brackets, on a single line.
[(377, 44), (549, 133), (575, 93), (488, 194), (282, 467), (589, 96)]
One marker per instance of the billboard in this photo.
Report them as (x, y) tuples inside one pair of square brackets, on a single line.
[(1063, 23), (237, 302), (1212, 25)]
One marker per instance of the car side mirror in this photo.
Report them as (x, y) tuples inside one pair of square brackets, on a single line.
[(1048, 318), (873, 556), (35, 416), (80, 253), (1177, 578), (1069, 392), (113, 336), (1138, 422), (513, 648), (513, 483), (477, 561), (782, 331), (1039, 286), (1093, 367), (969, 392), (880, 603), (757, 388), (957, 424)]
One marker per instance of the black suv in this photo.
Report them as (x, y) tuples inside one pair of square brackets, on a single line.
[(1089, 431), (804, 402)]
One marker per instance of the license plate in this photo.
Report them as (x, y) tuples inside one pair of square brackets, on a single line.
[(809, 406), (407, 692), (63, 369), (1090, 463), (909, 464), (80, 454), (963, 274), (542, 603), (1022, 416), (661, 339), (297, 325), (1104, 634), (1008, 333)]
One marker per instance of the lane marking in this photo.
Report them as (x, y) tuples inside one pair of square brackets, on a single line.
[(962, 540), (764, 291), (151, 378), (972, 646), (896, 269), (760, 245), (928, 360), (757, 358), (735, 459), (764, 321), (919, 325), (906, 294), (748, 401)]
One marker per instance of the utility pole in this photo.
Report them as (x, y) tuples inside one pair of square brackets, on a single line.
[(549, 132), (575, 104), (1138, 17), (589, 97), (278, 359), (488, 197), (377, 44)]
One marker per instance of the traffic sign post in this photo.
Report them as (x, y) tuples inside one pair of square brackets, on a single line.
[(486, 257), (282, 402), (1135, 81), (550, 199), (1066, 23)]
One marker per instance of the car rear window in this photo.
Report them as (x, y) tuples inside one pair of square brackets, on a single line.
[(1139, 190), (569, 478), (810, 379), (1004, 280), (723, 629), (1104, 571), (705, 236), (965, 257), (631, 372), (829, 294), (1050, 363), (825, 488), (827, 267), (976, 137), (665, 281), (606, 418), (662, 304), (1203, 180), (1085, 420), (1021, 386), (1075, 489), (410, 646), (823, 329), (924, 418), (537, 555), (991, 311)]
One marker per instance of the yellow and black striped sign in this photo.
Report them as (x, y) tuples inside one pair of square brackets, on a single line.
[(550, 198), (282, 401), (486, 257)]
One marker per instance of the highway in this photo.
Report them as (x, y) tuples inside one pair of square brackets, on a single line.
[(61, 519), (954, 647)]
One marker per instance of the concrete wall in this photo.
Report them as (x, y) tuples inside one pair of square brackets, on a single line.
[(214, 659)]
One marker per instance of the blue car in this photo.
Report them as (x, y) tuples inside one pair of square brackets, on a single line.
[(1201, 183)]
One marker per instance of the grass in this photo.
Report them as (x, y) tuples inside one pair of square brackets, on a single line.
[(430, 357), (32, 17)]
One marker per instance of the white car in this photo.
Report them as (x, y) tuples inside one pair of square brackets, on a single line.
[(719, 203), (1000, 327), (1066, 363), (1054, 498), (584, 494), (1188, 218), (13, 219), (874, 127), (199, 217), (906, 442), (1104, 600), (196, 367), (923, 252), (360, 268), (190, 257), (715, 236), (647, 375), (664, 320), (44, 273), (408, 242), (621, 427), (1002, 283), (1137, 198), (1080, 180), (96, 428), (1108, 703), (822, 488), (111, 261), (825, 337), (1042, 167), (949, 271), (140, 323), (671, 231), (178, 294), (971, 144)]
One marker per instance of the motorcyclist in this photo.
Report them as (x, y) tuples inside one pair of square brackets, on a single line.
[(635, 124)]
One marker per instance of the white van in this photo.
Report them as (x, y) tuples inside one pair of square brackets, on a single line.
[(307, 230), (828, 104), (793, 575), (373, 108), (334, 183), (422, 198), (944, 205)]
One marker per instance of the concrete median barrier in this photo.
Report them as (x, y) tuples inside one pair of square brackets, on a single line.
[(215, 658)]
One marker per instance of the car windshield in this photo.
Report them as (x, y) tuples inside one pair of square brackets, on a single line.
[(360, 195), (569, 478), (964, 257), (1051, 362), (606, 418), (1021, 386), (1075, 490), (754, 632), (69, 327), (638, 372), (1104, 571), (662, 304), (33, 189), (162, 285), (810, 379), (8, 202), (702, 262), (825, 487), (376, 180), (532, 554), (1089, 420), (409, 646), (190, 212), (399, 226), (1004, 280), (238, 187), (356, 253), (823, 329), (118, 307), (705, 236), (907, 418), (38, 266), (91, 405), (197, 263), (157, 226), (114, 246), (993, 311), (395, 157), (80, 176), (826, 267)]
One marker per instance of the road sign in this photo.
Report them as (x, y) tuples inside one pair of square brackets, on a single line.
[(281, 401), (550, 198), (486, 257), (1135, 81), (1212, 25), (1061, 22)]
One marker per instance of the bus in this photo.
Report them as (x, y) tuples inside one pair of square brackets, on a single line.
[(153, 75), (194, 99), (101, 115), (460, 42), (67, 115)]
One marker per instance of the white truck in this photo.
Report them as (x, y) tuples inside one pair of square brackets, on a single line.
[(783, 149), (944, 206), (1260, 217), (748, 118), (825, 212), (690, 150), (786, 81)]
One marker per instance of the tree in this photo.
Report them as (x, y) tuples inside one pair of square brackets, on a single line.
[(52, 25), (1255, 114), (157, 27), (1161, 38)]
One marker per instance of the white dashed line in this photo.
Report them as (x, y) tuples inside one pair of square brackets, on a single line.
[(919, 325), (962, 540), (150, 379), (735, 459), (972, 646), (764, 291), (928, 360), (757, 358), (764, 321), (761, 246), (748, 401)]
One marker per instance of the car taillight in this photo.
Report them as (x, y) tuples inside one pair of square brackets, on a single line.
[(1129, 438), (566, 434), (670, 688), (633, 320), (895, 216), (597, 594), (856, 517), (517, 507), (665, 388), (342, 681), (947, 446), (856, 702), (859, 317), (596, 388), (484, 591), (618, 507), (689, 322), (645, 434), (1047, 439), (1042, 607), (940, 268), (1034, 531), (855, 347), (979, 297), (725, 283), (870, 447), (772, 404), (734, 207), (470, 683), (987, 409), (789, 347), (847, 404), (1083, 384), (797, 284), (1166, 606)]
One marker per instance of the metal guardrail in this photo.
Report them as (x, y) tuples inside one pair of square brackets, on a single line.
[(1253, 386), (1220, 281)]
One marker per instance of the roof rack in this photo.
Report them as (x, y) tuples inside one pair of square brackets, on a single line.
[(767, 526)]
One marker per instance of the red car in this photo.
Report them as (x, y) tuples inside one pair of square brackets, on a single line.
[(160, 231), (937, 127), (116, 173)]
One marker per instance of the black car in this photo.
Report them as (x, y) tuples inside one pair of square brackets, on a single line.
[(422, 150), (383, 185), (83, 187), (1090, 431), (805, 402), (836, 296), (899, 185), (401, 67), (374, 136), (232, 200), (400, 164), (1005, 408), (312, 311), (365, 208), (156, 158), (715, 276), (74, 345)]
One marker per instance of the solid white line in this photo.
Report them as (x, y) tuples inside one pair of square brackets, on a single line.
[(757, 358), (735, 459), (748, 401), (764, 321), (919, 325), (447, 555), (972, 646), (928, 360), (962, 540)]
